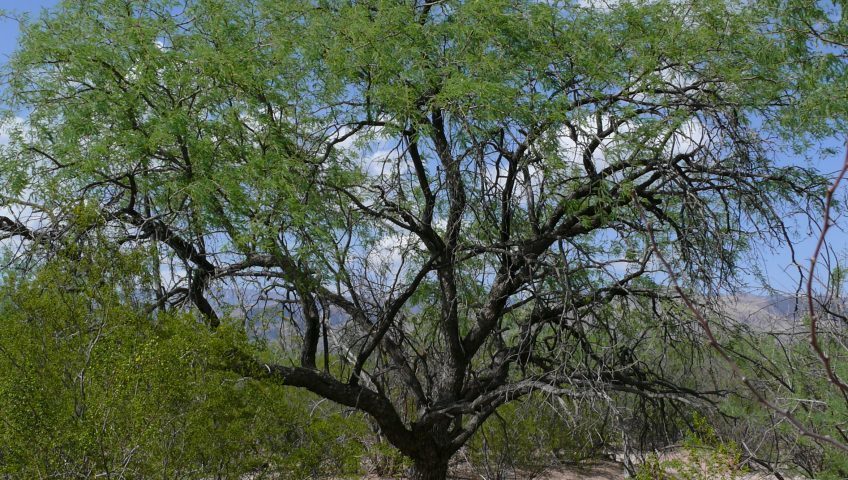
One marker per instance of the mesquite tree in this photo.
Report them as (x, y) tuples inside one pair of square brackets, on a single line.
[(442, 205)]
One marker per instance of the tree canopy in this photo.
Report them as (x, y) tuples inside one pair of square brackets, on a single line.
[(439, 206)]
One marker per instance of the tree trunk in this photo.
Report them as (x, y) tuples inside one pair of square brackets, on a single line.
[(430, 469)]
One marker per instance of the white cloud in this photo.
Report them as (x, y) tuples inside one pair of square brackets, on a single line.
[(376, 153), (380, 163), (673, 139), (604, 5), (688, 137), (572, 151), (607, 5), (8, 127), (23, 212), (389, 249), (355, 141), (171, 273)]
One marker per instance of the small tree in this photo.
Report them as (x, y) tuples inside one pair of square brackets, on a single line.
[(445, 200)]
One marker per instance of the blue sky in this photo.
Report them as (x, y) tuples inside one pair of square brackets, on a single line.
[(776, 264), (9, 28)]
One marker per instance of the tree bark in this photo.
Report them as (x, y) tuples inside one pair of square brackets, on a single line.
[(429, 469)]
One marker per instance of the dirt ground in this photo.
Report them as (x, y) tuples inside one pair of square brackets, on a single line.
[(601, 470), (595, 471), (598, 471)]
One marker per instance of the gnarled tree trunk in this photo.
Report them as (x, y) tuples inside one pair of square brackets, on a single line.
[(430, 469)]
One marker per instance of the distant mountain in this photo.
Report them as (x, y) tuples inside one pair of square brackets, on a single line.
[(778, 313), (773, 313)]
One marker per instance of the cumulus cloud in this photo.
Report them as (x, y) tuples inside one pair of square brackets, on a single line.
[(673, 139), (9, 127), (598, 4), (607, 5), (388, 252)]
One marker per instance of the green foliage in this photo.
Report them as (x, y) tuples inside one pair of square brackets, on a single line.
[(539, 432), (91, 385), (383, 460), (791, 376), (213, 129), (703, 456)]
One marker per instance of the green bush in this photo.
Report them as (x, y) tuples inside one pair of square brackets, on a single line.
[(703, 456), (535, 434), (93, 386)]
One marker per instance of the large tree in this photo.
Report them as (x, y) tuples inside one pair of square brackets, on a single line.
[(448, 204)]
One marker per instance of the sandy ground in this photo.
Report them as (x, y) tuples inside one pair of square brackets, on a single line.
[(598, 471), (595, 471), (602, 470)]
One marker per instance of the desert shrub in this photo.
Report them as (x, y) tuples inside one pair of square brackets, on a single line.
[(539, 432), (703, 456), (91, 385), (788, 373), (382, 459)]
